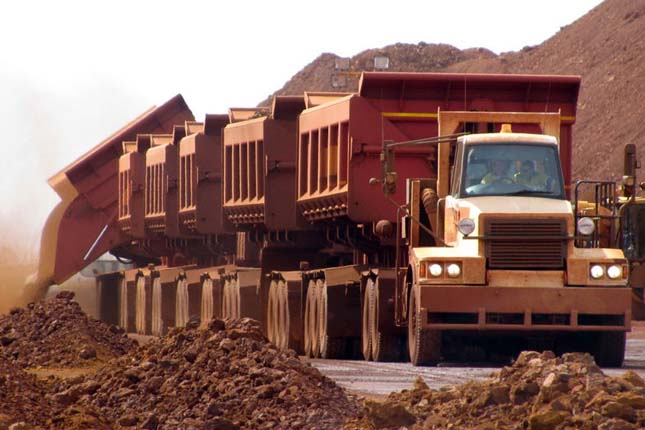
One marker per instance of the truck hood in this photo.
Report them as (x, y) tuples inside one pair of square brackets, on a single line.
[(515, 205)]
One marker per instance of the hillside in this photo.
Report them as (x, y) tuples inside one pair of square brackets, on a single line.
[(606, 47)]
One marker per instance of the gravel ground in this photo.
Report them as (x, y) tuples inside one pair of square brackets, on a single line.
[(377, 380)]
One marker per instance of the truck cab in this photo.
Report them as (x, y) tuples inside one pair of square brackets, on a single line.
[(505, 258)]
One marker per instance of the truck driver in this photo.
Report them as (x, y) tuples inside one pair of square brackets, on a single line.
[(529, 176), (499, 173)]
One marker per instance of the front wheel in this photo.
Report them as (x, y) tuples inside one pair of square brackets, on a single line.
[(610, 349), (424, 345)]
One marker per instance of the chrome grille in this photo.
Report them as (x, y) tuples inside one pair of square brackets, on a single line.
[(525, 243)]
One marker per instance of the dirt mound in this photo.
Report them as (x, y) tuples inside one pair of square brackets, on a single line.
[(322, 74), (57, 333), (225, 376), (606, 47), (538, 392)]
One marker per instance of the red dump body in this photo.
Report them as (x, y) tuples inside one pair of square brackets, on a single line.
[(259, 168), (200, 177), (340, 142), (132, 179), (161, 199), (84, 225)]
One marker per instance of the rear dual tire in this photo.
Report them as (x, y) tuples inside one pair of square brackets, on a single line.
[(375, 344), (231, 299), (278, 322), (318, 342)]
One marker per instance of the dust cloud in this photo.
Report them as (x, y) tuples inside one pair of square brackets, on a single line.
[(14, 269), (47, 124)]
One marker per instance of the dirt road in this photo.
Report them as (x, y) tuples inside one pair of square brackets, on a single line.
[(379, 379)]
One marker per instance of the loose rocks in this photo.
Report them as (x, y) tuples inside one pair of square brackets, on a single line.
[(538, 392), (225, 376)]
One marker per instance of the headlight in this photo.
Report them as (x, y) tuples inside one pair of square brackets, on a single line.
[(597, 271), (466, 226), (453, 270), (586, 226), (614, 271), (435, 269)]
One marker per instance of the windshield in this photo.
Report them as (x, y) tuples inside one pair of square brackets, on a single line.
[(511, 169)]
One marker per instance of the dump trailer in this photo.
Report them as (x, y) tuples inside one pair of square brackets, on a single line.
[(371, 224)]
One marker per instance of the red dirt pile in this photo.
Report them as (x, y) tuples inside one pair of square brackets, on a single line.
[(57, 333), (224, 376), (538, 392)]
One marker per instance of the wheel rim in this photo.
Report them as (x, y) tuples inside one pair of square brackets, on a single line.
[(157, 321), (271, 314), (322, 315), (207, 299), (123, 304), (283, 313), (236, 298), (366, 338), (226, 301), (315, 326), (181, 309), (374, 310), (309, 315)]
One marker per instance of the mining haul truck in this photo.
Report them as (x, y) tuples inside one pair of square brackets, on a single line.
[(382, 223)]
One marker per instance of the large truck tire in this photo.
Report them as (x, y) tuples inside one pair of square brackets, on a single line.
[(329, 346), (610, 348), (424, 345), (385, 347)]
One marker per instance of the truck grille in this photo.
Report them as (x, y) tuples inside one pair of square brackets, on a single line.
[(525, 243)]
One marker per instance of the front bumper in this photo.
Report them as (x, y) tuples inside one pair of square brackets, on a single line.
[(526, 308)]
